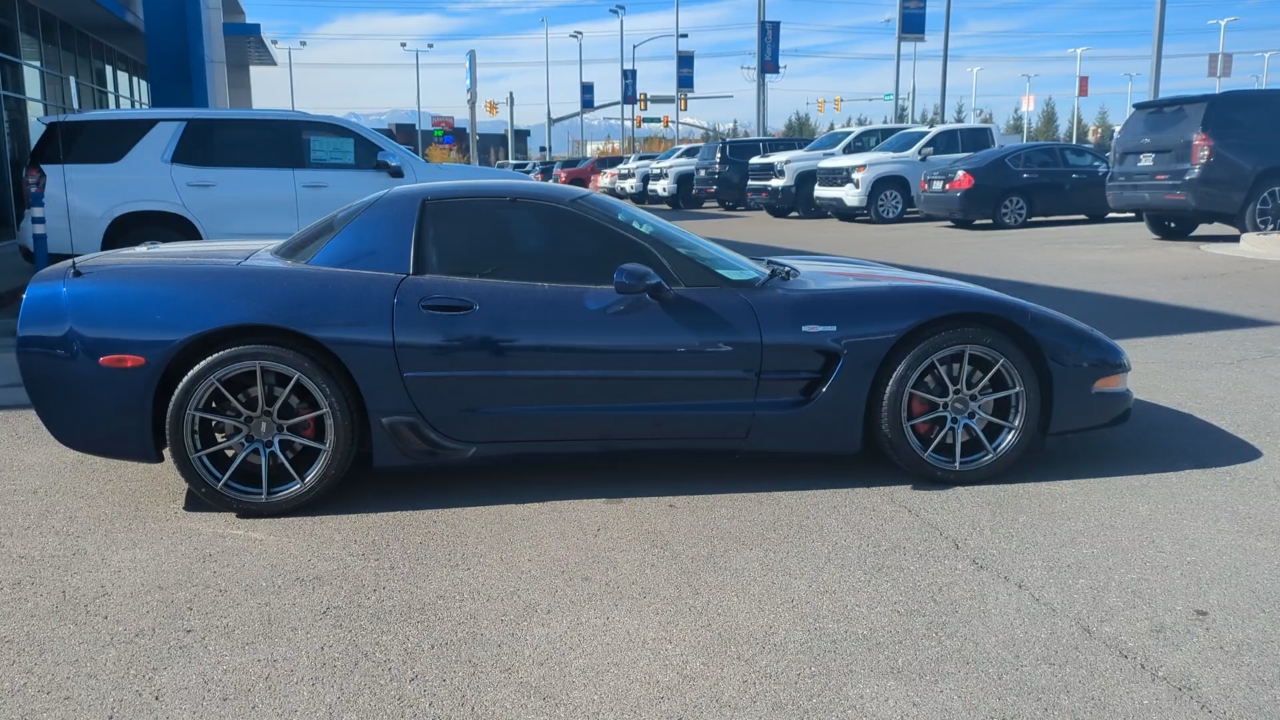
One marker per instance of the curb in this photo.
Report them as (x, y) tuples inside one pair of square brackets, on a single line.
[(1255, 246)]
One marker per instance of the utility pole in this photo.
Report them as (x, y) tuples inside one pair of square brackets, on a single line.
[(973, 99), (473, 128), (914, 46), (946, 42), (577, 35), (1266, 63), (760, 76), (1129, 94), (897, 64), (511, 125), (1157, 52), (1075, 115), (546, 39), (1222, 46), (417, 78), (621, 12), (677, 112), (1026, 106), (302, 44)]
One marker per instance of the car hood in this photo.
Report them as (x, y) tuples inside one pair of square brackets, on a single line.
[(820, 272), (195, 252), (866, 158), (776, 156)]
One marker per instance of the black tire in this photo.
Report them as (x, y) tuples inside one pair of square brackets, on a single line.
[(806, 207), (890, 406), (728, 204), (777, 211), (1262, 212), (844, 216), (672, 202), (339, 429), (684, 193), (888, 202), (641, 199), (1012, 211), (1170, 228), (963, 223)]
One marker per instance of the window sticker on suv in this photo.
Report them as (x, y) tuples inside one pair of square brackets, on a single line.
[(333, 150)]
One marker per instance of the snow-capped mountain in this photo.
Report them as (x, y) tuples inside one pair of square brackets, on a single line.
[(596, 126)]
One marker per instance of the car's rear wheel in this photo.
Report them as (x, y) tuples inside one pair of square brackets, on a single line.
[(959, 406), (888, 203), (673, 203), (844, 216), (1262, 214), (963, 223), (1170, 228), (684, 191), (1013, 211), (806, 206), (261, 430), (777, 211), (727, 204)]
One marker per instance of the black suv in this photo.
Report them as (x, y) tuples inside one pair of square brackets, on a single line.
[(721, 171), (1195, 159)]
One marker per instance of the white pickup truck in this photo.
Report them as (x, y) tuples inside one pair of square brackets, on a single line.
[(671, 180), (885, 183), (784, 181)]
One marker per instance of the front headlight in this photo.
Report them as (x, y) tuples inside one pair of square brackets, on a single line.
[(859, 169)]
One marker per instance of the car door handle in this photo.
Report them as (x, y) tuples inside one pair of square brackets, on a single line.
[(201, 183), (1030, 175), (448, 305), (1081, 175), (315, 185)]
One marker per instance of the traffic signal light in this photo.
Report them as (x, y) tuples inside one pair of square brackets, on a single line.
[(639, 122), (837, 104), (666, 121), (684, 102), (491, 107), (822, 106), (644, 101)]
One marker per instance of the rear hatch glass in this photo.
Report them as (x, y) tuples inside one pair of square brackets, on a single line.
[(1158, 137), (709, 153)]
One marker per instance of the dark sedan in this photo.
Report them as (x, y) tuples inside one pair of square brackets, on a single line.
[(451, 320), (1010, 185)]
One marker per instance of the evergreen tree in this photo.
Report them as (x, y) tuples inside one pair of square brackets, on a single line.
[(830, 126), (985, 117), (1046, 127), (902, 113), (960, 114), (733, 129), (862, 121), (1015, 123), (1082, 131), (799, 125), (1106, 131)]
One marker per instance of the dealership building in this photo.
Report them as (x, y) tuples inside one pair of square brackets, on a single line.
[(65, 56)]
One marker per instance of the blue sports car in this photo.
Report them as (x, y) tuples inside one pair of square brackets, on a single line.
[(437, 322)]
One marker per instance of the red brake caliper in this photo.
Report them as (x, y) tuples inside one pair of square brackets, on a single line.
[(919, 406), (308, 430)]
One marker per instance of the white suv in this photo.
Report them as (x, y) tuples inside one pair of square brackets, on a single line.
[(884, 183), (784, 181), (116, 178), (671, 180)]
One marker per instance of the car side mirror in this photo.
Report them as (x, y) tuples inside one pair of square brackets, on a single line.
[(637, 279), (925, 153), (389, 163)]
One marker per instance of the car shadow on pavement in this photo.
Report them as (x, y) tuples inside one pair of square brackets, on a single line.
[(1117, 316), (1044, 223), (1157, 440)]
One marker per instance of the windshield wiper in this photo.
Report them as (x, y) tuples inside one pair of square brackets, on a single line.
[(778, 270)]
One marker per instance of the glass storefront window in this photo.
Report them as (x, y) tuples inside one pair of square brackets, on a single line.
[(122, 85), (50, 54), (29, 32), (9, 31)]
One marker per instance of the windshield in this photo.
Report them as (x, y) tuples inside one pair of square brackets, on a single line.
[(829, 141), (708, 151), (731, 266), (902, 142), (668, 154)]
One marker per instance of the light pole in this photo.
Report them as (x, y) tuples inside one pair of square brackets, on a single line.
[(973, 99), (621, 12), (914, 47), (417, 77), (678, 34), (546, 39), (301, 44), (1266, 63), (1075, 114), (1129, 94), (582, 138), (1256, 77), (633, 70), (1026, 108), (1222, 46)]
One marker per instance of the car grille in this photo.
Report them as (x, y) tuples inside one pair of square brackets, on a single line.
[(624, 174), (760, 171), (659, 174), (833, 177)]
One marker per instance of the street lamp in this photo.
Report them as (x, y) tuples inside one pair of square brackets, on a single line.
[(582, 138), (1129, 97), (417, 78), (1026, 108), (1222, 46), (546, 39), (1256, 77), (1075, 116), (1266, 63), (621, 12), (973, 99), (633, 70), (301, 44)]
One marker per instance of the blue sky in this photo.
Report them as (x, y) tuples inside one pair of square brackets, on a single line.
[(353, 61)]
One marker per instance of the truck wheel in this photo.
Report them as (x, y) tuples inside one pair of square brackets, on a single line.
[(806, 207), (778, 211), (672, 202), (684, 194), (888, 203), (844, 216), (1170, 228), (727, 204), (1262, 213)]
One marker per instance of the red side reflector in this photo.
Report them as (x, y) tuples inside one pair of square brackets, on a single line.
[(122, 361)]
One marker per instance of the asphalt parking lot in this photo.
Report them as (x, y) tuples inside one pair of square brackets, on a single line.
[(1130, 573)]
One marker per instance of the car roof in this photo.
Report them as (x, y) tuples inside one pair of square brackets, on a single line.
[(1204, 97), (521, 189), (180, 114)]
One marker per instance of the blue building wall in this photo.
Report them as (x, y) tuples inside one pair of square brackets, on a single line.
[(176, 53)]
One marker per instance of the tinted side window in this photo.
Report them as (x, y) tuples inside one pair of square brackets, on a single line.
[(309, 240), (608, 162), (92, 142), (526, 241), (864, 142), (975, 139), (1036, 159), (1240, 117), (744, 151), (1080, 158), (326, 146), (239, 144), (946, 142)]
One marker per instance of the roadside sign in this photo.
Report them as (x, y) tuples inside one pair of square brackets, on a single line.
[(768, 46), (650, 119), (1226, 65), (442, 121), (684, 71), (911, 20), (1083, 89), (588, 96), (1028, 103), (888, 97), (628, 86)]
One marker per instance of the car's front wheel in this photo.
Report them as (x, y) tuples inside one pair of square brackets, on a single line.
[(959, 406), (888, 203), (1012, 212), (1262, 214), (261, 429), (778, 211), (1170, 228)]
